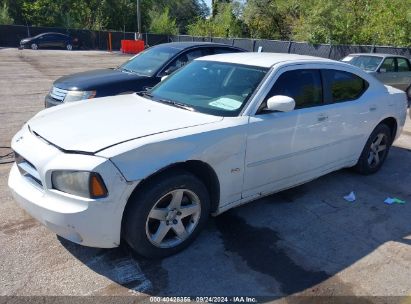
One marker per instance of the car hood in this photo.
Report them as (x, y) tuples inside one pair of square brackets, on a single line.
[(92, 126), (94, 79)]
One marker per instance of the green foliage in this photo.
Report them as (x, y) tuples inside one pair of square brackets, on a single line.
[(162, 23), (185, 12), (268, 19), (4, 15), (223, 24), (385, 22), (381, 22)]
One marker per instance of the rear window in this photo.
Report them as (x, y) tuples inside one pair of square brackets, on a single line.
[(342, 86)]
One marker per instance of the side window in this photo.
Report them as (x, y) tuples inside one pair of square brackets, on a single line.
[(222, 50), (183, 59), (302, 85), (403, 65), (388, 65), (342, 86)]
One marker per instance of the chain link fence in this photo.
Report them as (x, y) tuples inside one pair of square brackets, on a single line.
[(10, 36)]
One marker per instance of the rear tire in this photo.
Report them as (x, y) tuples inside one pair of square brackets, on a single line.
[(166, 215), (375, 150), (69, 47)]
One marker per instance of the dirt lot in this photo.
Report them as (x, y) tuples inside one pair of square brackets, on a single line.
[(304, 241)]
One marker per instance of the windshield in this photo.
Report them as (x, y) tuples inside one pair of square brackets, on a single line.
[(149, 61), (210, 87), (367, 63)]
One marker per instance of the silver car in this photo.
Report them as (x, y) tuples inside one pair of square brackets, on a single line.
[(390, 69)]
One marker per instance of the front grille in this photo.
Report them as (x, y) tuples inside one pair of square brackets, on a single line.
[(27, 169), (58, 94)]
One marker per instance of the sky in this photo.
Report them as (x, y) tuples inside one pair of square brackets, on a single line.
[(208, 2)]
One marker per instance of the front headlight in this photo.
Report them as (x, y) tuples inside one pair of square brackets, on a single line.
[(81, 183), (79, 95)]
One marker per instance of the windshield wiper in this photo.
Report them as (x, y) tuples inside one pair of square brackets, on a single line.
[(145, 94), (130, 71), (176, 104), (126, 70)]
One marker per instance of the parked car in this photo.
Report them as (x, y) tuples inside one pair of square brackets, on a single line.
[(137, 74), (224, 130), (47, 40), (390, 69)]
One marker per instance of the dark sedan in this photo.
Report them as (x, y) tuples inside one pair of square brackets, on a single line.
[(137, 74), (47, 40)]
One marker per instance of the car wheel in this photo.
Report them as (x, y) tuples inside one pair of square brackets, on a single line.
[(34, 46), (166, 214), (375, 151), (69, 47)]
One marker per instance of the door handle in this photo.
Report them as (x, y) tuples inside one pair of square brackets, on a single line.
[(373, 108), (322, 117)]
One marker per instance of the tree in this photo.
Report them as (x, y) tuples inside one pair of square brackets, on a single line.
[(185, 12), (4, 15), (162, 23), (355, 22), (271, 19), (223, 24)]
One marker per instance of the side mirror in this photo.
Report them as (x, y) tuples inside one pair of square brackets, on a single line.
[(280, 103), (382, 70)]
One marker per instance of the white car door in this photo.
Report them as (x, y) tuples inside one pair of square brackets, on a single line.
[(351, 113), (287, 148)]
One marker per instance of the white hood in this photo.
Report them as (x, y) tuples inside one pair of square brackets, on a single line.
[(97, 124)]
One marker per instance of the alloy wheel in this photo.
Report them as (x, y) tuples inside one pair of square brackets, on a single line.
[(173, 218), (378, 150)]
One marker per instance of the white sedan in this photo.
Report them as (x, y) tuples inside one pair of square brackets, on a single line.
[(149, 168)]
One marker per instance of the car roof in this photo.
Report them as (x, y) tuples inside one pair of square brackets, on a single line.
[(188, 44), (266, 60), (52, 33), (382, 55)]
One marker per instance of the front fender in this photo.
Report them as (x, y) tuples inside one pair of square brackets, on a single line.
[(222, 146)]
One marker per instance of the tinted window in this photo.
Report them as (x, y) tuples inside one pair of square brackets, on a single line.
[(225, 50), (302, 85), (403, 65), (150, 60), (388, 65), (185, 58), (342, 86)]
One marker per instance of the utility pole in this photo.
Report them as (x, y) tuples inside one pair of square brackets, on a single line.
[(138, 19)]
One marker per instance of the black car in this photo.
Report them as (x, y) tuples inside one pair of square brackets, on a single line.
[(47, 40), (139, 73)]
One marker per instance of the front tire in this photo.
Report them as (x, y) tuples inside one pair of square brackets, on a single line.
[(34, 46), (375, 150), (166, 215)]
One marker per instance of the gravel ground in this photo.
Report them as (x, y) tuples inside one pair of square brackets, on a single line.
[(306, 241)]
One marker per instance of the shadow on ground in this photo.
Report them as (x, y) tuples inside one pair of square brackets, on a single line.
[(287, 243)]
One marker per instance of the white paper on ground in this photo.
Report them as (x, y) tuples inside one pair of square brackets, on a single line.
[(350, 197)]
